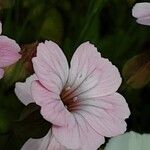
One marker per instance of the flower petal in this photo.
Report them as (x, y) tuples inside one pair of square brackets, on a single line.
[(105, 114), (85, 53), (48, 142), (120, 107), (141, 10), (37, 144), (91, 75), (114, 104), (52, 108), (146, 141), (8, 51), (23, 90), (128, 141), (55, 145), (51, 66), (68, 135), (78, 135), (144, 20), (1, 73), (90, 138)]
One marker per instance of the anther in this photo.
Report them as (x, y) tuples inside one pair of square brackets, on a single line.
[(68, 88), (75, 99)]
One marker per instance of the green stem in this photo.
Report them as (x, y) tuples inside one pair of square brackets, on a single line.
[(25, 24), (94, 8)]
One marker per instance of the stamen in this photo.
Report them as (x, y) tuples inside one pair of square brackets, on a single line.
[(68, 88), (75, 99)]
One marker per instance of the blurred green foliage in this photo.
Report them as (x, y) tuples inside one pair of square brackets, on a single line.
[(107, 24)]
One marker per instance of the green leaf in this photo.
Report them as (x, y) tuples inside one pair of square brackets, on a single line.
[(6, 4), (52, 27), (5, 121)]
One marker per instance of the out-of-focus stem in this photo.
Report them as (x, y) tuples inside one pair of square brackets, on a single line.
[(94, 8)]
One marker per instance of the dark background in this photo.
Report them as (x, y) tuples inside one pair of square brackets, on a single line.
[(106, 23)]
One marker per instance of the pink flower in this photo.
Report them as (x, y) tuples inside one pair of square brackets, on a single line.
[(141, 11), (80, 102), (9, 52)]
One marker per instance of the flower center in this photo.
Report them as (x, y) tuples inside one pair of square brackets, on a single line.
[(69, 99)]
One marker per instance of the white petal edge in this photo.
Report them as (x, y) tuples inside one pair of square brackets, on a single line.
[(141, 10), (23, 90)]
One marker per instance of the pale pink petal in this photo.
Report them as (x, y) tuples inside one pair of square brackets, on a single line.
[(103, 123), (120, 107), (1, 73), (68, 135), (55, 145), (114, 104), (38, 144), (47, 77), (144, 20), (52, 108), (91, 75), (78, 135), (23, 90), (90, 138), (141, 10), (79, 63), (48, 142), (8, 51), (51, 66), (105, 114), (35, 144)]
